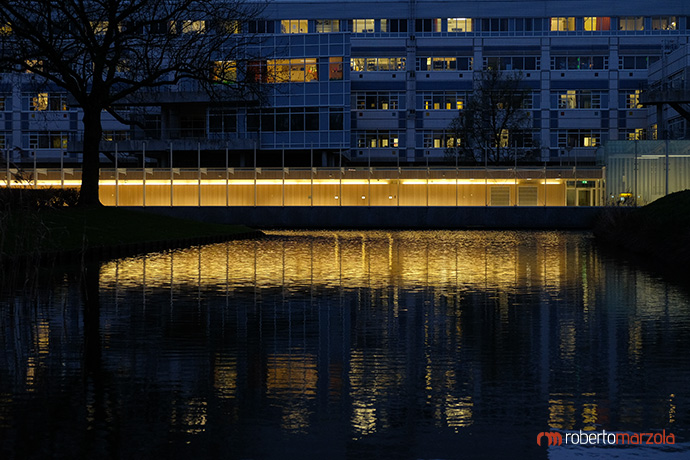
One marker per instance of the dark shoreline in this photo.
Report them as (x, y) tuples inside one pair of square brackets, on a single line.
[(31, 236), (656, 236)]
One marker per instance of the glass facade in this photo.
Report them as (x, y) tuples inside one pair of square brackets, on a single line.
[(388, 85)]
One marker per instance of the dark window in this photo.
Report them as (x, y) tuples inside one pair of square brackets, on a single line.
[(261, 27), (253, 119), (282, 120), (494, 25), (398, 25), (267, 121), (335, 119), (297, 121), (312, 119)]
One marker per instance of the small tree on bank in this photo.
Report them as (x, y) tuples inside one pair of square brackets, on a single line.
[(493, 121), (110, 52)]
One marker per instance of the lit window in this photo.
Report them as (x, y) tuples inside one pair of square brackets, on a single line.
[(40, 102), (631, 23), (601, 23), (581, 99), (664, 23), (5, 29), (632, 100), (567, 100), (459, 25), (327, 25), (99, 27), (123, 66), (562, 24), (229, 27), (292, 70), (193, 27), (636, 134), (377, 64), (47, 140), (33, 64), (363, 26), (53, 102), (225, 71), (576, 138), (505, 137), (294, 26), (335, 68)]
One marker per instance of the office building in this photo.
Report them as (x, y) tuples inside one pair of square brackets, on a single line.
[(364, 82)]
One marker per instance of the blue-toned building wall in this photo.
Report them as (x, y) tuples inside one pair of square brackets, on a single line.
[(632, 34), (408, 66)]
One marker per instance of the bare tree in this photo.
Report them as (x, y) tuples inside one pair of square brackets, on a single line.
[(110, 52), (493, 121)]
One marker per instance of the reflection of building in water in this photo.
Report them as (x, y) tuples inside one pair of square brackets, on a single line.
[(363, 334), (191, 416), (372, 319), (292, 381), (443, 261)]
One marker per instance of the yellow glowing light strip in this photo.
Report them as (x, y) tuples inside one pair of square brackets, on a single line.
[(221, 182), (241, 182), (478, 181)]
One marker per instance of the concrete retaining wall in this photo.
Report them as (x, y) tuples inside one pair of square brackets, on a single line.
[(496, 217)]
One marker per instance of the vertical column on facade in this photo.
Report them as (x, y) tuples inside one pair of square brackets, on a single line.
[(410, 85), (614, 108), (545, 131), (478, 66), (15, 122), (545, 87)]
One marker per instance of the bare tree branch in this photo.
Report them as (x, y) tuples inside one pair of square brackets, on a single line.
[(493, 120), (110, 52)]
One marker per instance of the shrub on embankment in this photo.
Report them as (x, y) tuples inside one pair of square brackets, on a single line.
[(658, 233), (39, 223)]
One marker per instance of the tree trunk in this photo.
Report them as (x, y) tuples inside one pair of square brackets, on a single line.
[(90, 170)]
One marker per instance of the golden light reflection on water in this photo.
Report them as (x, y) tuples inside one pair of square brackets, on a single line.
[(31, 365), (589, 416), (40, 351), (291, 375), (671, 409), (374, 376), (225, 377), (562, 412), (466, 302), (350, 259), (363, 417), (587, 411), (446, 265), (458, 411), (290, 383), (190, 416)]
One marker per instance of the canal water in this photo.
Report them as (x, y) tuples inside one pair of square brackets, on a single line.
[(345, 345)]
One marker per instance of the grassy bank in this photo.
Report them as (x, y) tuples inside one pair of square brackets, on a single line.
[(658, 233), (73, 230)]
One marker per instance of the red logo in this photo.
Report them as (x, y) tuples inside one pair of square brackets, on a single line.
[(555, 439)]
